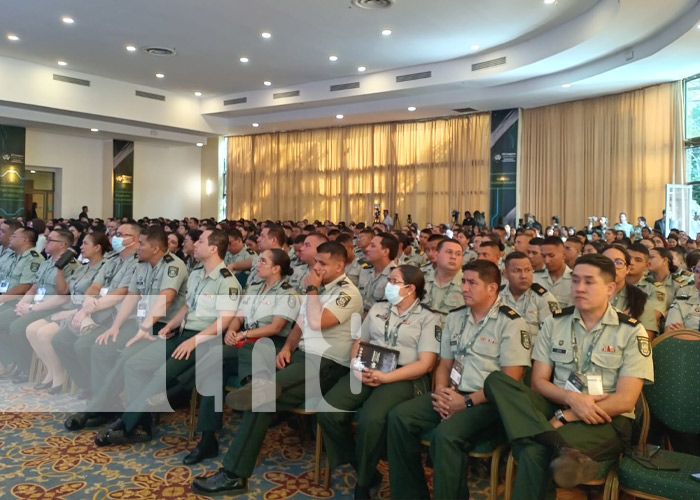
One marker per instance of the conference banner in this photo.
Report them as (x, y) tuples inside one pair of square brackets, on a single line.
[(123, 178), (12, 173), (504, 161)]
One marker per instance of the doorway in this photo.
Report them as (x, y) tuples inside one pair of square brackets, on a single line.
[(39, 188)]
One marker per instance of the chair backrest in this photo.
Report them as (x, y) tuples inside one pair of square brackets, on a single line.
[(674, 397)]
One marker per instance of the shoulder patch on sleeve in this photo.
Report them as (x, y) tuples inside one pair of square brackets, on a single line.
[(168, 258), (538, 289), (626, 319), (509, 311), (285, 285), (225, 272), (644, 346), (34, 253), (567, 311)]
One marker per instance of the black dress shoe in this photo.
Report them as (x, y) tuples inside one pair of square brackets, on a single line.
[(42, 386), (102, 438), (200, 453), (222, 481), (120, 436), (55, 390), (76, 421), (20, 378)]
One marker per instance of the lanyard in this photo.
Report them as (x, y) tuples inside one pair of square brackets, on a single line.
[(250, 319), (589, 353), (480, 326), (198, 290), (433, 286), (394, 334)]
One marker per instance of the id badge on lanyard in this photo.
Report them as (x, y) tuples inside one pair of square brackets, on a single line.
[(142, 308), (40, 294), (4, 286), (456, 374), (104, 291)]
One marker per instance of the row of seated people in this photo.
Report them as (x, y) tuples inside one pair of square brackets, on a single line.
[(133, 319)]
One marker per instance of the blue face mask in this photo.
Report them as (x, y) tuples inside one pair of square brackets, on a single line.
[(117, 243), (391, 292)]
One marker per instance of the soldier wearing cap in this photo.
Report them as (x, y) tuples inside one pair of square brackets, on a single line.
[(590, 363), (481, 337)]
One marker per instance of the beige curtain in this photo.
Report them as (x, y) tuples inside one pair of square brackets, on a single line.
[(425, 169), (603, 156)]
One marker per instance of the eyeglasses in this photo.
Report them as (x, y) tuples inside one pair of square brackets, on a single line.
[(122, 235), (619, 263), (396, 282)]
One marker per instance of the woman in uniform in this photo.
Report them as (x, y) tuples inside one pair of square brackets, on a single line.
[(661, 266), (401, 324)]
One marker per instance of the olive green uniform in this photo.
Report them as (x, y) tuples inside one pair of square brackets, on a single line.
[(244, 253), (616, 347), (647, 318), (686, 309), (20, 270), (657, 293), (352, 271), (371, 284), (152, 369), (416, 330), (535, 305), (6, 257), (253, 276), (107, 360), (297, 279), (561, 289), (443, 298), (343, 300), (500, 339), (468, 255)]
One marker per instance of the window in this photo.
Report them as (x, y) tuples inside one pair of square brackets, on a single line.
[(692, 137)]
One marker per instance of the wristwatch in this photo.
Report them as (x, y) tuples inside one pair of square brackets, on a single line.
[(31, 308), (311, 288), (245, 334), (559, 415), (469, 402)]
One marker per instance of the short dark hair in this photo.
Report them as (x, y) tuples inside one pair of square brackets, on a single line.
[(488, 271), (157, 235), (692, 259), (490, 244), (65, 235), (334, 249), (536, 241), (235, 234), (447, 240), (574, 239), (14, 225), (639, 248), (665, 253), (437, 237), (32, 235), (319, 236), (101, 240), (276, 232), (413, 276), (552, 240), (344, 238), (604, 265), (389, 242), (515, 256), (219, 239)]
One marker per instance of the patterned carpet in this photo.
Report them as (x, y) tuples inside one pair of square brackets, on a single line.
[(40, 460)]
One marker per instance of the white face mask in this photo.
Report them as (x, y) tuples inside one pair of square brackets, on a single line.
[(391, 292)]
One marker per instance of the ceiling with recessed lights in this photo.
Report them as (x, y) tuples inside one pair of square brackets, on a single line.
[(302, 63)]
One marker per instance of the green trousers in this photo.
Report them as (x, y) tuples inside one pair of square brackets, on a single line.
[(243, 453), (409, 423), (18, 346), (525, 414), (73, 351), (374, 404)]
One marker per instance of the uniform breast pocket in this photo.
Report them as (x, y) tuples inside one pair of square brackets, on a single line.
[(454, 300), (608, 365), (562, 356), (487, 350), (378, 292), (206, 305)]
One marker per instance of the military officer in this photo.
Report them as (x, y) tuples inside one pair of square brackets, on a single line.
[(236, 251), (443, 288), (352, 266), (657, 293), (381, 251), (7, 228), (46, 294), (664, 272), (590, 362), (530, 300), (271, 236), (213, 295), (481, 337), (21, 269), (468, 254), (307, 255), (331, 301), (534, 253), (410, 329), (557, 278), (431, 254), (685, 310), (364, 238)]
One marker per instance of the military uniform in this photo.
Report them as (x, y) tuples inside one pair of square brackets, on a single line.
[(372, 285), (647, 318), (617, 347), (686, 309), (500, 339), (468, 255), (152, 369), (20, 269), (253, 276), (244, 253), (657, 293), (352, 271), (6, 257), (329, 353), (416, 330), (297, 279), (445, 298), (535, 305), (561, 289)]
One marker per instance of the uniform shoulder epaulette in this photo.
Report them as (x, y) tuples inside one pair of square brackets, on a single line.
[(686, 273), (679, 279), (501, 288), (366, 265), (567, 311), (250, 252), (540, 270), (85, 263), (225, 273), (509, 311), (286, 286), (168, 258), (113, 255), (682, 297), (458, 308), (426, 306), (34, 253), (626, 319), (343, 282), (538, 289)]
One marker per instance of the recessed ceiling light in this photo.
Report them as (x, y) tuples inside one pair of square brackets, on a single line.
[(475, 47), (32, 171), (198, 94), (160, 75), (361, 69), (200, 144), (339, 117), (62, 63), (244, 59), (256, 125), (13, 38), (67, 20), (267, 83), (411, 108), (94, 129), (265, 34), (566, 85), (386, 32), (131, 48), (550, 2), (332, 58)]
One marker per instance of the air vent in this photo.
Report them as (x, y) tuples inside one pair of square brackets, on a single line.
[(69, 79), (345, 86), (238, 100), (414, 76), (489, 64), (465, 110), (372, 4), (284, 95), (158, 51), (148, 95)]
